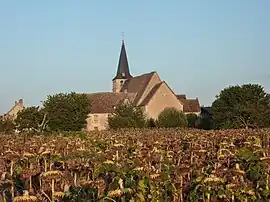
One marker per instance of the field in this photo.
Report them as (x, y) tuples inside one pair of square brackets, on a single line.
[(140, 165)]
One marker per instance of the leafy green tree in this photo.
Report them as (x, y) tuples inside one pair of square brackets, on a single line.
[(30, 118), (191, 119), (67, 111), (171, 118), (127, 116), (246, 106)]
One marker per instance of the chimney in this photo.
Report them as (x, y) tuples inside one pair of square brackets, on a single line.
[(20, 103)]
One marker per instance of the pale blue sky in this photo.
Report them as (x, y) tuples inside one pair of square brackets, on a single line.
[(197, 46)]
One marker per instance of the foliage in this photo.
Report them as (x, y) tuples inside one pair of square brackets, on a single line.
[(205, 123), (125, 115), (30, 118), (137, 165), (6, 126), (246, 106), (191, 119), (67, 111), (82, 194), (171, 118)]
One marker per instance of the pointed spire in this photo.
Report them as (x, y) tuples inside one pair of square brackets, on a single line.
[(123, 68)]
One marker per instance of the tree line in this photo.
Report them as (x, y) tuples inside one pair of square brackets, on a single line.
[(60, 112), (245, 106)]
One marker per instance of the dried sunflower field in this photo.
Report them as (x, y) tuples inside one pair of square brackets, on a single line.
[(140, 165)]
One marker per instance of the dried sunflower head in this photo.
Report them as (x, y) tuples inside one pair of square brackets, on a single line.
[(25, 198), (115, 193), (28, 155), (45, 153), (59, 194), (52, 174)]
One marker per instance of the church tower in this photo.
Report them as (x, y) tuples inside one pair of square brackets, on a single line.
[(122, 73)]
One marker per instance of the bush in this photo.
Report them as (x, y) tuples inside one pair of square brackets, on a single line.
[(151, 123), (171, 118), (206, 123), (126, 116), (191, 119)]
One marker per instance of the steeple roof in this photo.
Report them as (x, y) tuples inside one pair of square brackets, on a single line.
[(123, 68)]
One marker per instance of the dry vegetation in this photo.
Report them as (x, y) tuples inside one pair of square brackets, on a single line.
[(153, 165)]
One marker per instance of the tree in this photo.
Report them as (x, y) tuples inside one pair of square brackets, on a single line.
[(67, 111), (151, 123), (246, 106), (6, 126), (171, 118), (191, 119), (126, 116), (30, 118)]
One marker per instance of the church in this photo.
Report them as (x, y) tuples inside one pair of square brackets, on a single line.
[(146, 91)]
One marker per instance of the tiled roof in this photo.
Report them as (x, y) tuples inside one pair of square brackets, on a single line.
[(132, 89), (181, 97), (190, 105), (137, 85), (105, 102)]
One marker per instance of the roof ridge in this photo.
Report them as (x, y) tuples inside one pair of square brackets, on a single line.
[(142, 75), (139, 95), (152, 92)]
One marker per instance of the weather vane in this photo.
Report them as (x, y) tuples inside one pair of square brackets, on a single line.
[(123, 37)]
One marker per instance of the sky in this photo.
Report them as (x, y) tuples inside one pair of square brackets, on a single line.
[(198, 47)]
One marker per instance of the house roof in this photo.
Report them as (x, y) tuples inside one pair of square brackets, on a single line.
[(181, 96), (137, 85), (123, 67), (207, 110), (105, 102), (190, 105)]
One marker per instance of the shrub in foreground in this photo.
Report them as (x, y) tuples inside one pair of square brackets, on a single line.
[(171, 118), (126, 115), (191, 119)]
